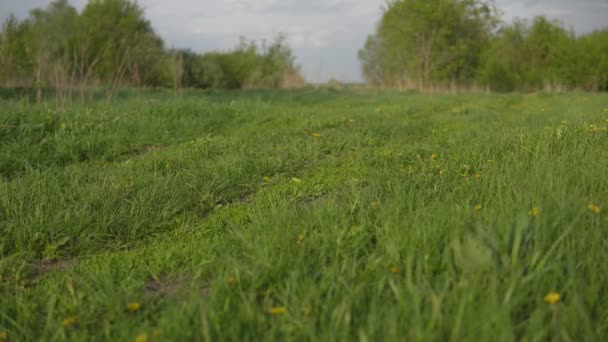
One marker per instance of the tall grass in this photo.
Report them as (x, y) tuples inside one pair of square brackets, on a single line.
[(327, 215)]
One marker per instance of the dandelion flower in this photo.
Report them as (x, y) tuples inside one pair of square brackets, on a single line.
[(70, 322), (394, 270), (534, 212), (478, 175), (279, 310), (300, 238), (375, 204), (595, 209), (434, 156), (133, 307), (478, 207), (553, 298), (143, 337), (266, 179)]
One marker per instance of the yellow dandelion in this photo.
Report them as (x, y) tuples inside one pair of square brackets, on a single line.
[(376, 204), (553, 298), (534, 212), (316, 135), (279, 310), (143, 337), (300, 238), (3, 336), (306, 311), (231, 280), (478, 175), (595, 209), (433, 156), (266, 179), (394, 270), (70, 322), (133, 307), (478, 207)]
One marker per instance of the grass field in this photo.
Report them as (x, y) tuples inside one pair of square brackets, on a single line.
[(307, 215)]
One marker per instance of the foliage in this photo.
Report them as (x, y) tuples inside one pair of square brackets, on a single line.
[(428, 42), (433, 43), (246, 66), (112, 44)]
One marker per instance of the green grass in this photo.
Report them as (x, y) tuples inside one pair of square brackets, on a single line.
[(367, 216)]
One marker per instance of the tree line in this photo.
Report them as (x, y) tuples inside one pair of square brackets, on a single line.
[(438, 44), (110, 43)]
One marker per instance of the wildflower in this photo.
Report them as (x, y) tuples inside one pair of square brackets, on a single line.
[(491, 162), (231, 280), (143, 337), (534, 212), (595, 209), (478, 207), (394, 270), (433, 156), (266, 179), (70, 322), (306, 311), (375, 204), (478, 175), (133, 307), (3, 336), (279, 310), (316, 135), (300, 238), (552, 298)]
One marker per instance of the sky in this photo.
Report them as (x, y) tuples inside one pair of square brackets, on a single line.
[(325, 35)]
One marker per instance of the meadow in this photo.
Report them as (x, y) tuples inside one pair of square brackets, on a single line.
[(316, 214)]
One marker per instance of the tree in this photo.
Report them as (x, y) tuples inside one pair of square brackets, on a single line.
[(50, 39), (15, 69), (593, 60), (429, 41), (504, 60)]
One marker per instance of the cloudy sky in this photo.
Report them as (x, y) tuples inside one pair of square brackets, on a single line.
[(325, 34)]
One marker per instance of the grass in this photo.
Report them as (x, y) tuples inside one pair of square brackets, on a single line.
[(306, 215)]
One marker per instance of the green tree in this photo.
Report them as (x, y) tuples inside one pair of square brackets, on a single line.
[(15, 68), (593, 60), (504, 60), (429, 41)]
